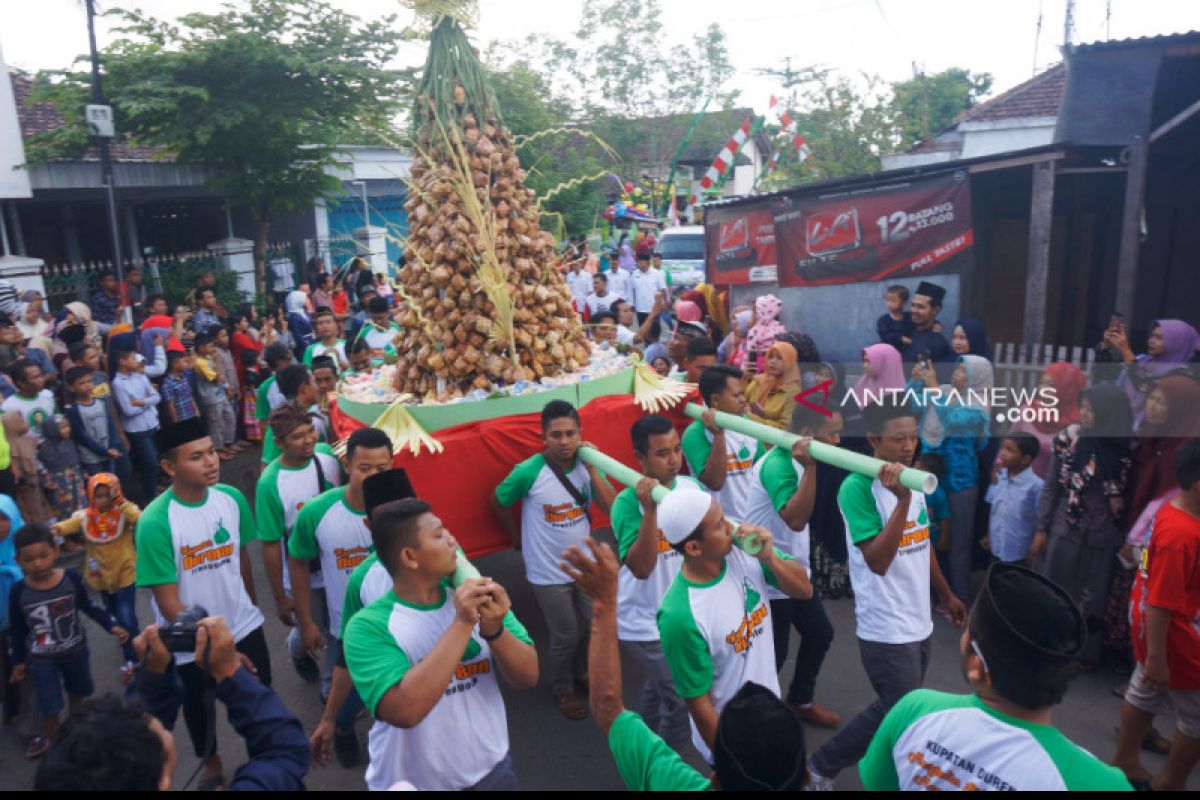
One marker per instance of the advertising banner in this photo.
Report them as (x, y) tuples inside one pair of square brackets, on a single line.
[(898, 229), (739, 245)]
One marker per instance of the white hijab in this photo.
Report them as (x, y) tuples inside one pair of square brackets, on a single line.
[(976, 395), (295, 302)]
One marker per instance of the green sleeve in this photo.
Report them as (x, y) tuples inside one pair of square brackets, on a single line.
[(626, 518), (1080, 770), (308, 355), (683, 645), (858, 507), (262, 405), (515, 627), (769, 576), (302, 544), (761, 451), (156, 563), (877, 769), (375, 661), (519, 481), (270, 509), (696, 447), (779, 478), (645, 761), (352, 603), (247, 531), (270, 450)]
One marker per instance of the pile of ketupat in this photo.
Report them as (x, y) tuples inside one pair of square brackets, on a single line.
[(485, 303)]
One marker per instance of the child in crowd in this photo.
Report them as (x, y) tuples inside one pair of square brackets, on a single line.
[(383, 288), (60, 468), (896, 326), (48, 640), (1014, 496), (32, 400), (180, 403), (138, 402), (213, 393), (661, 365), (106, 524), (10, 573), (233, 387), (93, 425), (250, 423)]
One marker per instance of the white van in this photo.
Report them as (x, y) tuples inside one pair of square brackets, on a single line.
[(682, 249)]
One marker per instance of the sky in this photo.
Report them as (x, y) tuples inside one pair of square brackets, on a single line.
[(877, 37)]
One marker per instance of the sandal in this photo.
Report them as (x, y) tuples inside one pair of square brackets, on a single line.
[(569, 706), (1156, 743), (1119, 691), (38, 746)]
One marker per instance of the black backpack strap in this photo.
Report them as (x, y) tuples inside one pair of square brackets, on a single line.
[(579, 497)]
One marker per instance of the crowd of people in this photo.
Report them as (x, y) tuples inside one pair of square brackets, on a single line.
[(1061, 543)]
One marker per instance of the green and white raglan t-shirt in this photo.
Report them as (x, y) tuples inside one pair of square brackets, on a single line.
[(336, 351), (199, 547), (466, 734), (935, 741), (741, 454), (329, 529), (551, 520), (717, 635), (380, 338), (638, 599), (774, 480), (646, 762), (283, 491), (369, 582), (892, 608)]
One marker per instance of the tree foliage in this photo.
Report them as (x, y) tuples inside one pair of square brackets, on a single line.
[(263, 96), (927, 104)]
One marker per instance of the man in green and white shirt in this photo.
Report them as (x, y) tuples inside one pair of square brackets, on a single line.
[(190, 552), (268, 397), (327, 342), (648, 567), (783, 490), (379, 331), (302, 471), (556, 491), (424, 658), (298, 388), (1017, 653), (892, 568), (759, 741), (714, 616), (723, 460)]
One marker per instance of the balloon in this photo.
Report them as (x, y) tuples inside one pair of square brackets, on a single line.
[(629, 187), (638, 192)]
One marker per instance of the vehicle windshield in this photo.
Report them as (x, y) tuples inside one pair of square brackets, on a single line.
[(684, 246)]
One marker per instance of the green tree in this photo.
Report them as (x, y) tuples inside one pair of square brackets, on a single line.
[(926, 104), (261, 96)]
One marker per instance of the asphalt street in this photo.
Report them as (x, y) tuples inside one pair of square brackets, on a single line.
[(549, 751)]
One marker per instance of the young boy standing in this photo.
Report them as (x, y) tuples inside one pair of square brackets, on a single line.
[(892, 568), (138, 403), (715, 613), (92, 424), (425, 656), (554, 489), (896, 326), (1014, 495), (213, 394), (32, 400), (47, 637), (177, 387), (1164, 606)]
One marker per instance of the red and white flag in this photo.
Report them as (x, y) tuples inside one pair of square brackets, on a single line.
[(724, 161)]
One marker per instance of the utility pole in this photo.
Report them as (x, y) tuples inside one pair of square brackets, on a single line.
[(106, 170), (1068, 24)]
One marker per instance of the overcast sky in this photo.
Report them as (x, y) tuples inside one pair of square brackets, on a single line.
[(881, 37)]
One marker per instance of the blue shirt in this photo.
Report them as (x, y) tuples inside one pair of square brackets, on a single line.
[(178, 392), (135, 386), (1014, 513)]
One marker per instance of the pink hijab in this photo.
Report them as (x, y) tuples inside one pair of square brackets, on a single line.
[(687, 311), (767, 328), (886, 361)]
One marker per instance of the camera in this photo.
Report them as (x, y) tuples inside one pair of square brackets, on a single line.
[(180, 635)]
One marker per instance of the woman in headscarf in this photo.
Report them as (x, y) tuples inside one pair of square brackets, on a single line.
[(1170, 420), (29, 319), (765, 330), (63, 477), (732, 349), (1061, 382), (967, 338), (954, 424), (299, 322), (1081, 515), (883, 372), (713, 306), (1170, 348), (772, 394)]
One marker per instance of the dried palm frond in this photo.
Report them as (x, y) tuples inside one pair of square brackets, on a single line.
[(655, 393), (404, 430)]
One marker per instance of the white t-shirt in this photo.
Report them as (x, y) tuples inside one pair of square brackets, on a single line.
[(646, 285), (283, 491), (336, 351), (620, 283), (892, 608), (551, 520), (465, 735), (596, 303), (775, 479), (717, 636), (741, 454), (380, 339), (580, 283), (34, 410), (329, 529), (199, 548), (638, 599), (624, 335)]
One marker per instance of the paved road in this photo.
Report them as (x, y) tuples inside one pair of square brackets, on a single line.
[(551, 752)]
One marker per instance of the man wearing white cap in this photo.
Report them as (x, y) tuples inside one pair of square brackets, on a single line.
[(715, 621)]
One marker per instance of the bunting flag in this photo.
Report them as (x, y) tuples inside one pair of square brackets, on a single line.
[(722, 165), (788, 123)]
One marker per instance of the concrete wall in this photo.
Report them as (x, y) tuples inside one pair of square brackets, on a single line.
[(989, 138), (841, 319)]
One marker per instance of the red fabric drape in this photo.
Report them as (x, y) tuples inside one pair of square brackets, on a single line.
[(459, 481)]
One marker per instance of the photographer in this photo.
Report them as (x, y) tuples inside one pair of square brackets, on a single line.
[(108, 745)]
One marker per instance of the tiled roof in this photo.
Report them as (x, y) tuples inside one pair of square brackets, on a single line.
[(42, 117), (1039, 96), (1187, 37)]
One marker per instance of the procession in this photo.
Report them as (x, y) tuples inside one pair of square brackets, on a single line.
[(530, 455)]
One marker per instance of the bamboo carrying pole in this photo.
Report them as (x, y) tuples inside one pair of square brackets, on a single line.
[(915, 479), (630, 477)]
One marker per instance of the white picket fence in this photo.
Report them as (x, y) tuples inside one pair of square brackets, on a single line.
[(1019, 365)]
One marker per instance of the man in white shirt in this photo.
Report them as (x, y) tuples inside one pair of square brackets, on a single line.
[(579, 281), (648, 285), (603, 298)]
